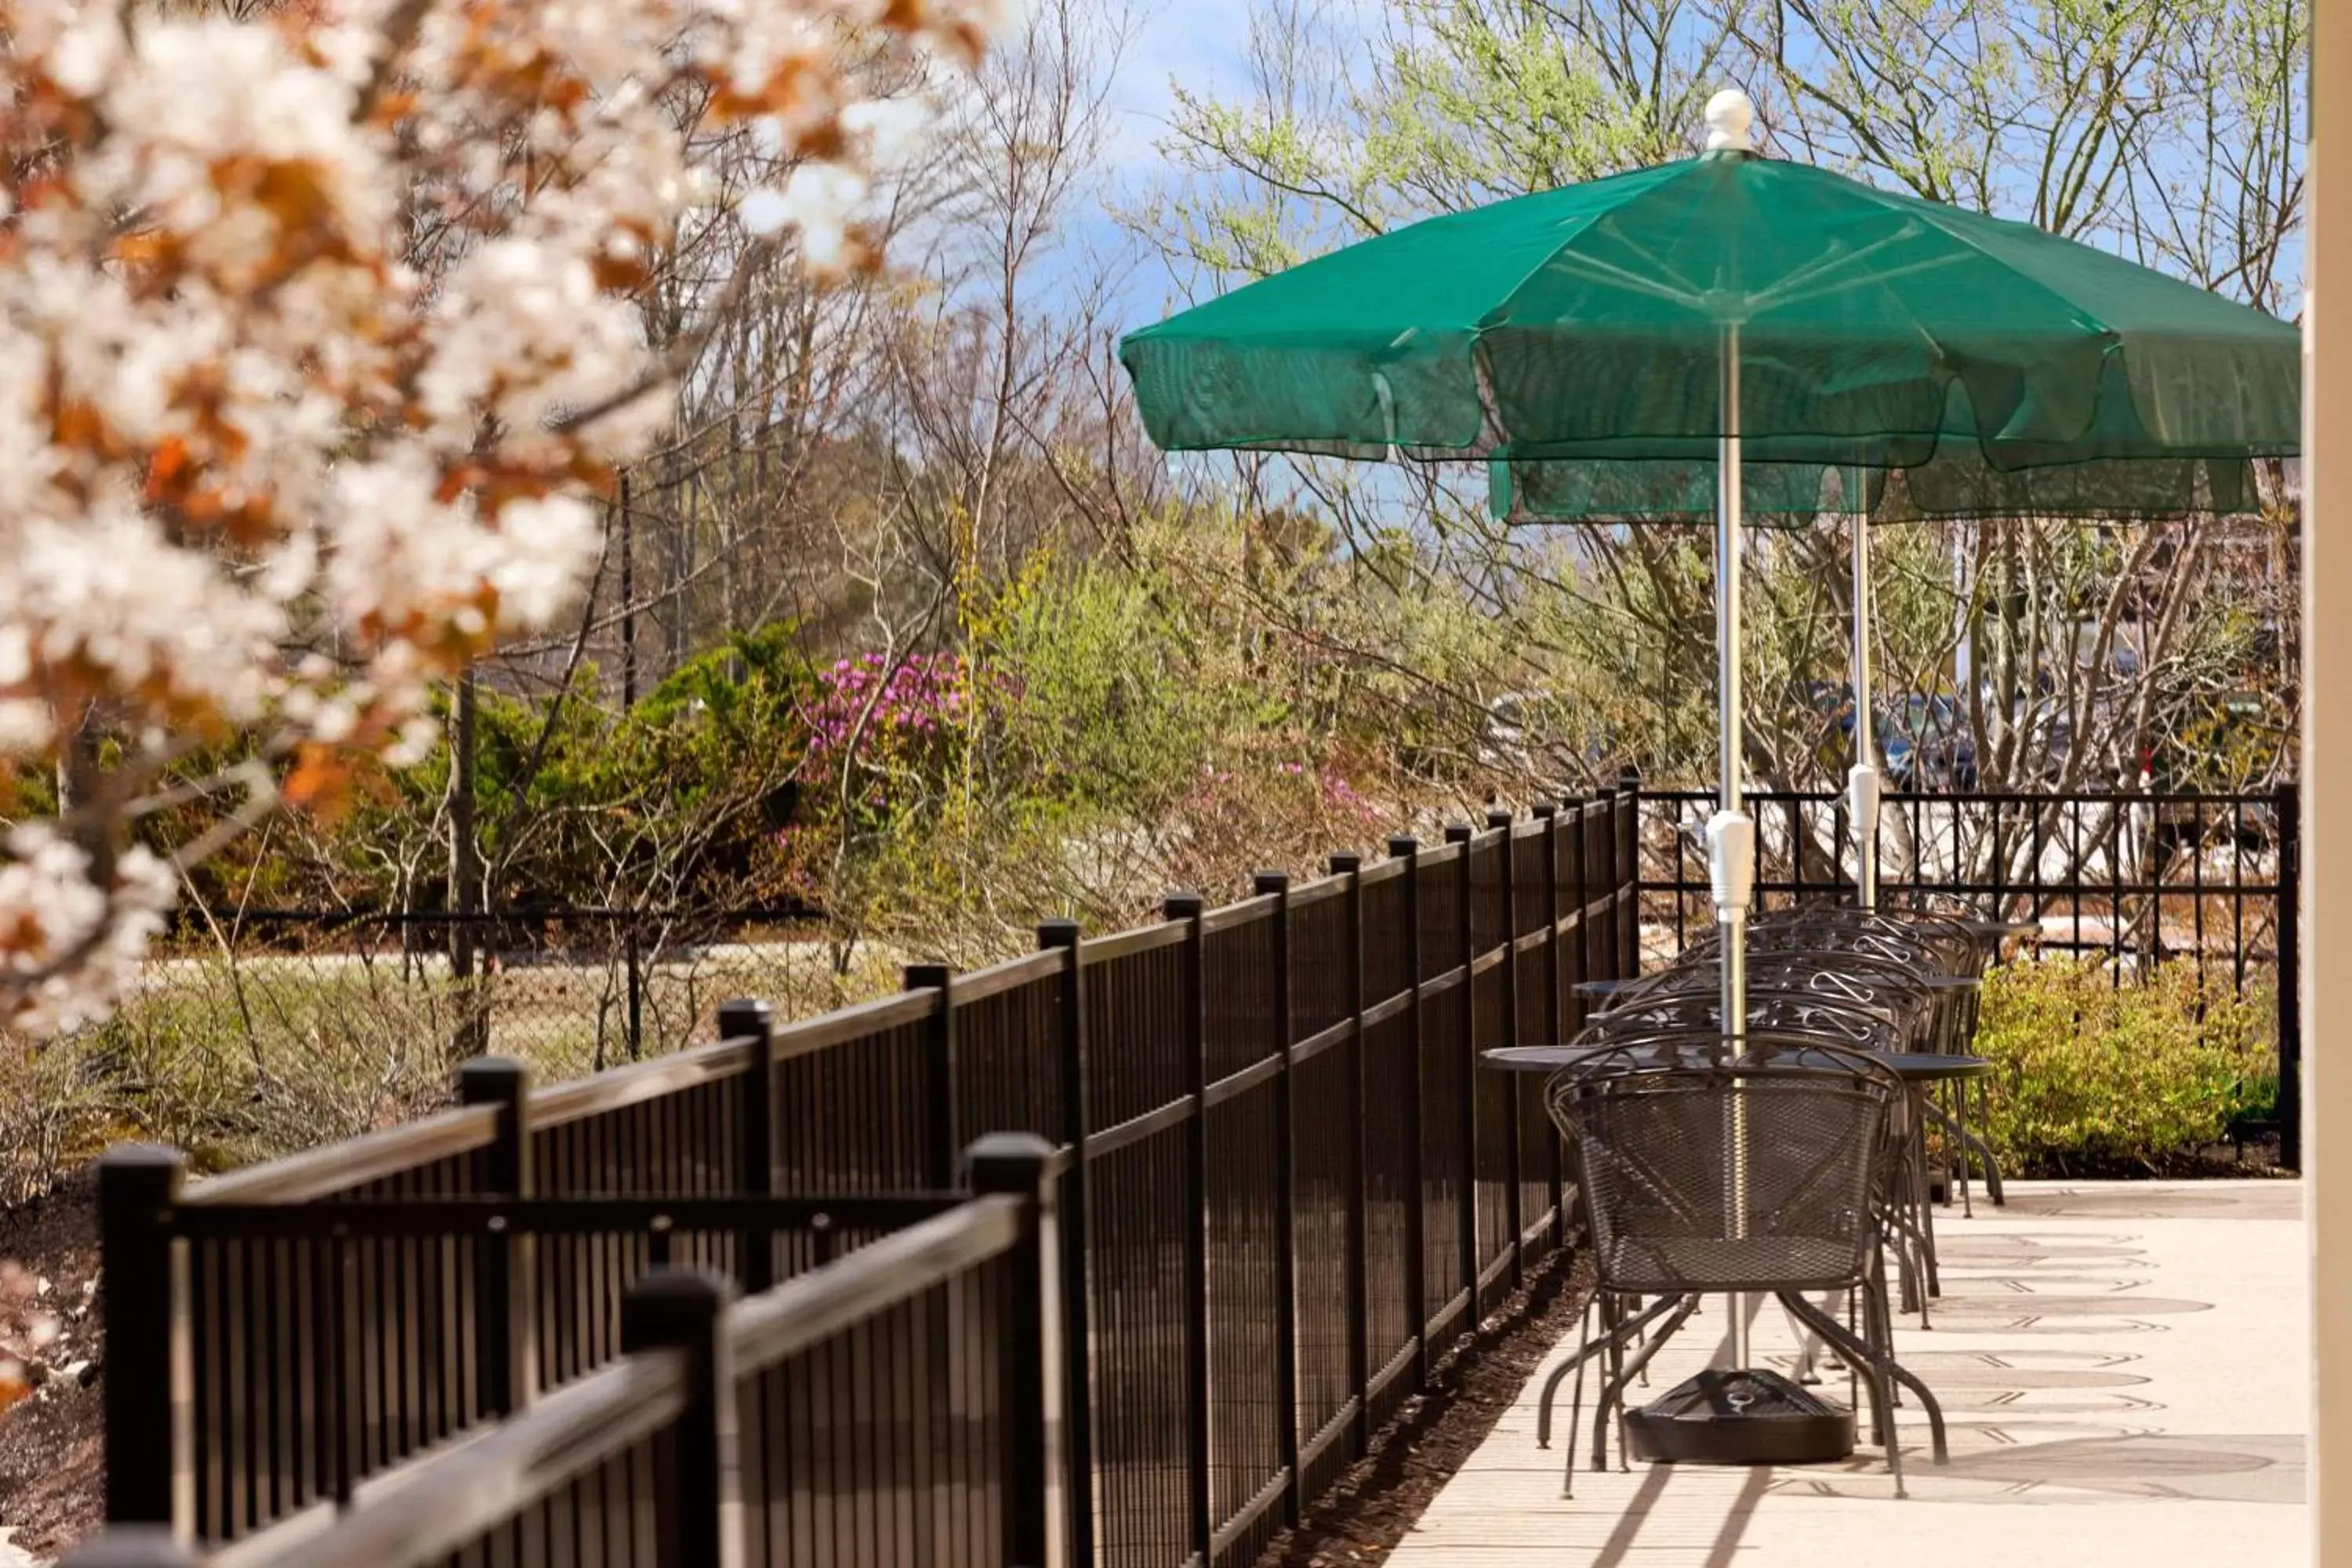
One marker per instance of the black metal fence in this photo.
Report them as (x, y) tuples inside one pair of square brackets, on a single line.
[(1288, 1190), (895, 1398), (2138, 879)]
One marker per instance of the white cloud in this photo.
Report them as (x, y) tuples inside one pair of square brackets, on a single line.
[(1199, 44)]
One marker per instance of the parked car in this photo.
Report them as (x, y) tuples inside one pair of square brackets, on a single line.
[(1927, 743)]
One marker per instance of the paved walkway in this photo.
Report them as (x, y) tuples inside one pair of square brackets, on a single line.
[(2122, 1367)]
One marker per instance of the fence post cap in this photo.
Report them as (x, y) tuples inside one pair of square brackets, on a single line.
[(1181, 905), (1544, 810), (927, 977), (133, 1546), (1403, 846), (1498, 817), (1346, 863), (1270, 883), (141, 1161), (672, 1306), (1459, 833), (744, 1016), (1007, 1163), (486, 1079), (1060, 932)]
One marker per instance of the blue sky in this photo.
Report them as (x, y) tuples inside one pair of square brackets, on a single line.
[(1199, 42)]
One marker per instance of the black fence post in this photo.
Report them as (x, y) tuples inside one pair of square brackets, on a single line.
[(699, 1506), (939, 1059), (1188, 908), (150, 1474), (1020, 1164), (1625, 883), (633, 960), (1554, 981), (1514, 1139), (1360, 1315), (755, 1174), (137, 1547), (2290, 976), (1277, 886), (506, 1314), (1416, 1195), (1465, 952), (1070, 1231)]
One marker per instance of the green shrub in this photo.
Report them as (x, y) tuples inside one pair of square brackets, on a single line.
[(2096, 1077)]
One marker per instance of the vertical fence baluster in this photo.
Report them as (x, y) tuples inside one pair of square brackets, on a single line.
[(755, 1176), (1188, 908), (1359, 1307), (1020, 1164), (149, 1437), (699, 1507), (1416, 1195), (940, 1132), (1277, 886), (1070, 1230), (506, 1312)]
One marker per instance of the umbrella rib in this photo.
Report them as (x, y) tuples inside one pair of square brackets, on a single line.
[(1925, 212), (1795, 286), (1775, 298), (1609, 272)]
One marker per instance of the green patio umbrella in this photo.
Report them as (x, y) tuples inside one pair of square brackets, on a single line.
[(1616, 349), (1646, 333)]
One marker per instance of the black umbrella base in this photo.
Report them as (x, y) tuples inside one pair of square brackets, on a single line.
[(1739, 1418)]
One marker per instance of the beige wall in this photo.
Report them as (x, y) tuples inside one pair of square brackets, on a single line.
[(2327, 776)]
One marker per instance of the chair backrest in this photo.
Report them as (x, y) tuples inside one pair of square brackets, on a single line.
[(1834, 1020), (1754, 1176), (1854, 980), (1871, 935)]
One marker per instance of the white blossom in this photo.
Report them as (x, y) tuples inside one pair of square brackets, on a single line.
[(246, 412)]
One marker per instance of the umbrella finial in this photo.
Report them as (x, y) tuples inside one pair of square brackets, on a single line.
[(1730, 116)]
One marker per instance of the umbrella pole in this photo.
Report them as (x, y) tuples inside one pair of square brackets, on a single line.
[(1862, 784), (1731, 837)]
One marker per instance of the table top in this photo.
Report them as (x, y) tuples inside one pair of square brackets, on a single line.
[(1911, 1066)]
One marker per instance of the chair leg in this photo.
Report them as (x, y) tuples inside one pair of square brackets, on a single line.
[(1609, 1339), (1575, 1412), (1900, 1377), (1961, 1104), (1991, 1171), (1613, 1391), (1860, 1356), (1877, 1344)]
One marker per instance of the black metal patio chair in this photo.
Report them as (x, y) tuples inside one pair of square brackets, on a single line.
[(1703, 1173)]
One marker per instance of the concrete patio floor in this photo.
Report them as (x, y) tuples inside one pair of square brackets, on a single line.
[(2122, 1367)]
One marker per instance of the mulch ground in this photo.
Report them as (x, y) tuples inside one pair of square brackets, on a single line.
[(52, 1443), (1363, 1518)]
